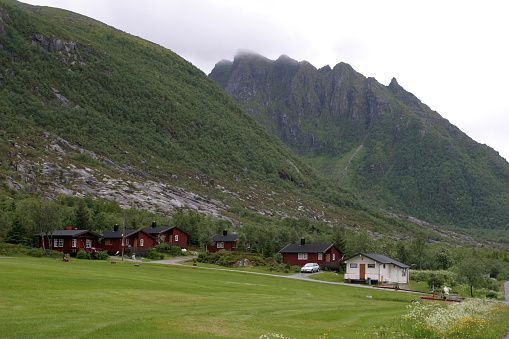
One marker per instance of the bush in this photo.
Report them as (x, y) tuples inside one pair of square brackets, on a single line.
[(82, 254), (36, 252), (152, 254), (163, 248), (102, 255), (175, 251), (296, 268), (40, 252)]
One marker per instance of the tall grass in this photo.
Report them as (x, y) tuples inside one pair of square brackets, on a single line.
[(473, 318)]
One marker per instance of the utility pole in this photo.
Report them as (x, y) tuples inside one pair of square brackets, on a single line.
[(123, 232)]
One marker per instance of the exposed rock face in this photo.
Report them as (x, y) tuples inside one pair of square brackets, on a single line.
[(121, 184), (380, 141)]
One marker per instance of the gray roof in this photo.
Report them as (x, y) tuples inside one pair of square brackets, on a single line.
[(225, 238), (111, 234), (161, 229), (69, 233), (306, 248), (381, 259)]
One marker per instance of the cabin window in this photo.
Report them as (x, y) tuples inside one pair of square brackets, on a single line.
[(88, 243), (353, 265), (371, 266), (333, 256), (320, 256), (303, 256), (58, 242), (142, 241), (74, 242), (220, 244), (403, 272), (126, 242), (108, 242), (384, 265), (176, 237)]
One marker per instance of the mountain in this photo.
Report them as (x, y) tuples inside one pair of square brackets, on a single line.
[(89, 111), (380, 141)]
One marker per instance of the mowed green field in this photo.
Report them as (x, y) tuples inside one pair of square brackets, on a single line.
[(47, 298)]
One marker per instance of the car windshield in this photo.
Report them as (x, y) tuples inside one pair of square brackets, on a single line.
[(308, 265)]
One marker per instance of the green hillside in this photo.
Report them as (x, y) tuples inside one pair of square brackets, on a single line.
[(379, 141), (89, 111)]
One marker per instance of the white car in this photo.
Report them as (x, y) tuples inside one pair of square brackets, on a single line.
[(310, 268)]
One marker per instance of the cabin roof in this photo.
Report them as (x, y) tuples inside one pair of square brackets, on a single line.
[(225, 238), (306, 248), (69, 233), (381, 259)]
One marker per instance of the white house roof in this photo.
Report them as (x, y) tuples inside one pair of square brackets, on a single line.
[(382, 259)]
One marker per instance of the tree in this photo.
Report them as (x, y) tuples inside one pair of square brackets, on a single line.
[(242, 243), (338, 238), (16, 234), (471, 270), (419, 248), (82, 215), (443, 258), (47, 217)]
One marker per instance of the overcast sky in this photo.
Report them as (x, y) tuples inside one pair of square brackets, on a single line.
[(453, 55)]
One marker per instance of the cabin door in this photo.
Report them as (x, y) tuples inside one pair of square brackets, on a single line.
[(135, 242), (327, 257), (362, 274)]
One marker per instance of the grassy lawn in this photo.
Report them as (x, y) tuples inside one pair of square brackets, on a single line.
[(46, 298)]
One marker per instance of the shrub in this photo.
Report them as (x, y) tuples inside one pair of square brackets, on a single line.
[(163, 248), (40, 252), (152, 254), (102, 255), (175, 251), (36, 252), (82, 254), (296, 269)]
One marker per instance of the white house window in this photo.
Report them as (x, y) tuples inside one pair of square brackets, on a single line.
[(74, 243), (303, 256), (353, 265), (220, 244), (142, 241), (320, 256), (371, 266), (333, 256), (176, 237), (59, 242), (88, 243)]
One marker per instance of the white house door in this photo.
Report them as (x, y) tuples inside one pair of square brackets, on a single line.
[(362, 274)]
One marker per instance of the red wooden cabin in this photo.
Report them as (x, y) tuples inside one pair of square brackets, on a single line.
[(134, 241), (170, 235), (227, 242), (325, 255), (71, 241)]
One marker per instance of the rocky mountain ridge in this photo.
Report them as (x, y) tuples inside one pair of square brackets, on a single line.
[(380, 141)]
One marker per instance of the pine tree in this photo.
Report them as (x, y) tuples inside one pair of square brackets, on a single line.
[(338, 238), (16, 234), (82, 213)]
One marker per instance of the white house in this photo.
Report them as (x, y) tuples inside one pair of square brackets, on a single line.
[(376, 267)]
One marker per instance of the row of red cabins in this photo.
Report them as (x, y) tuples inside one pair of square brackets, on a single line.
[(325, 255), (134, 241), (137, 241)]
